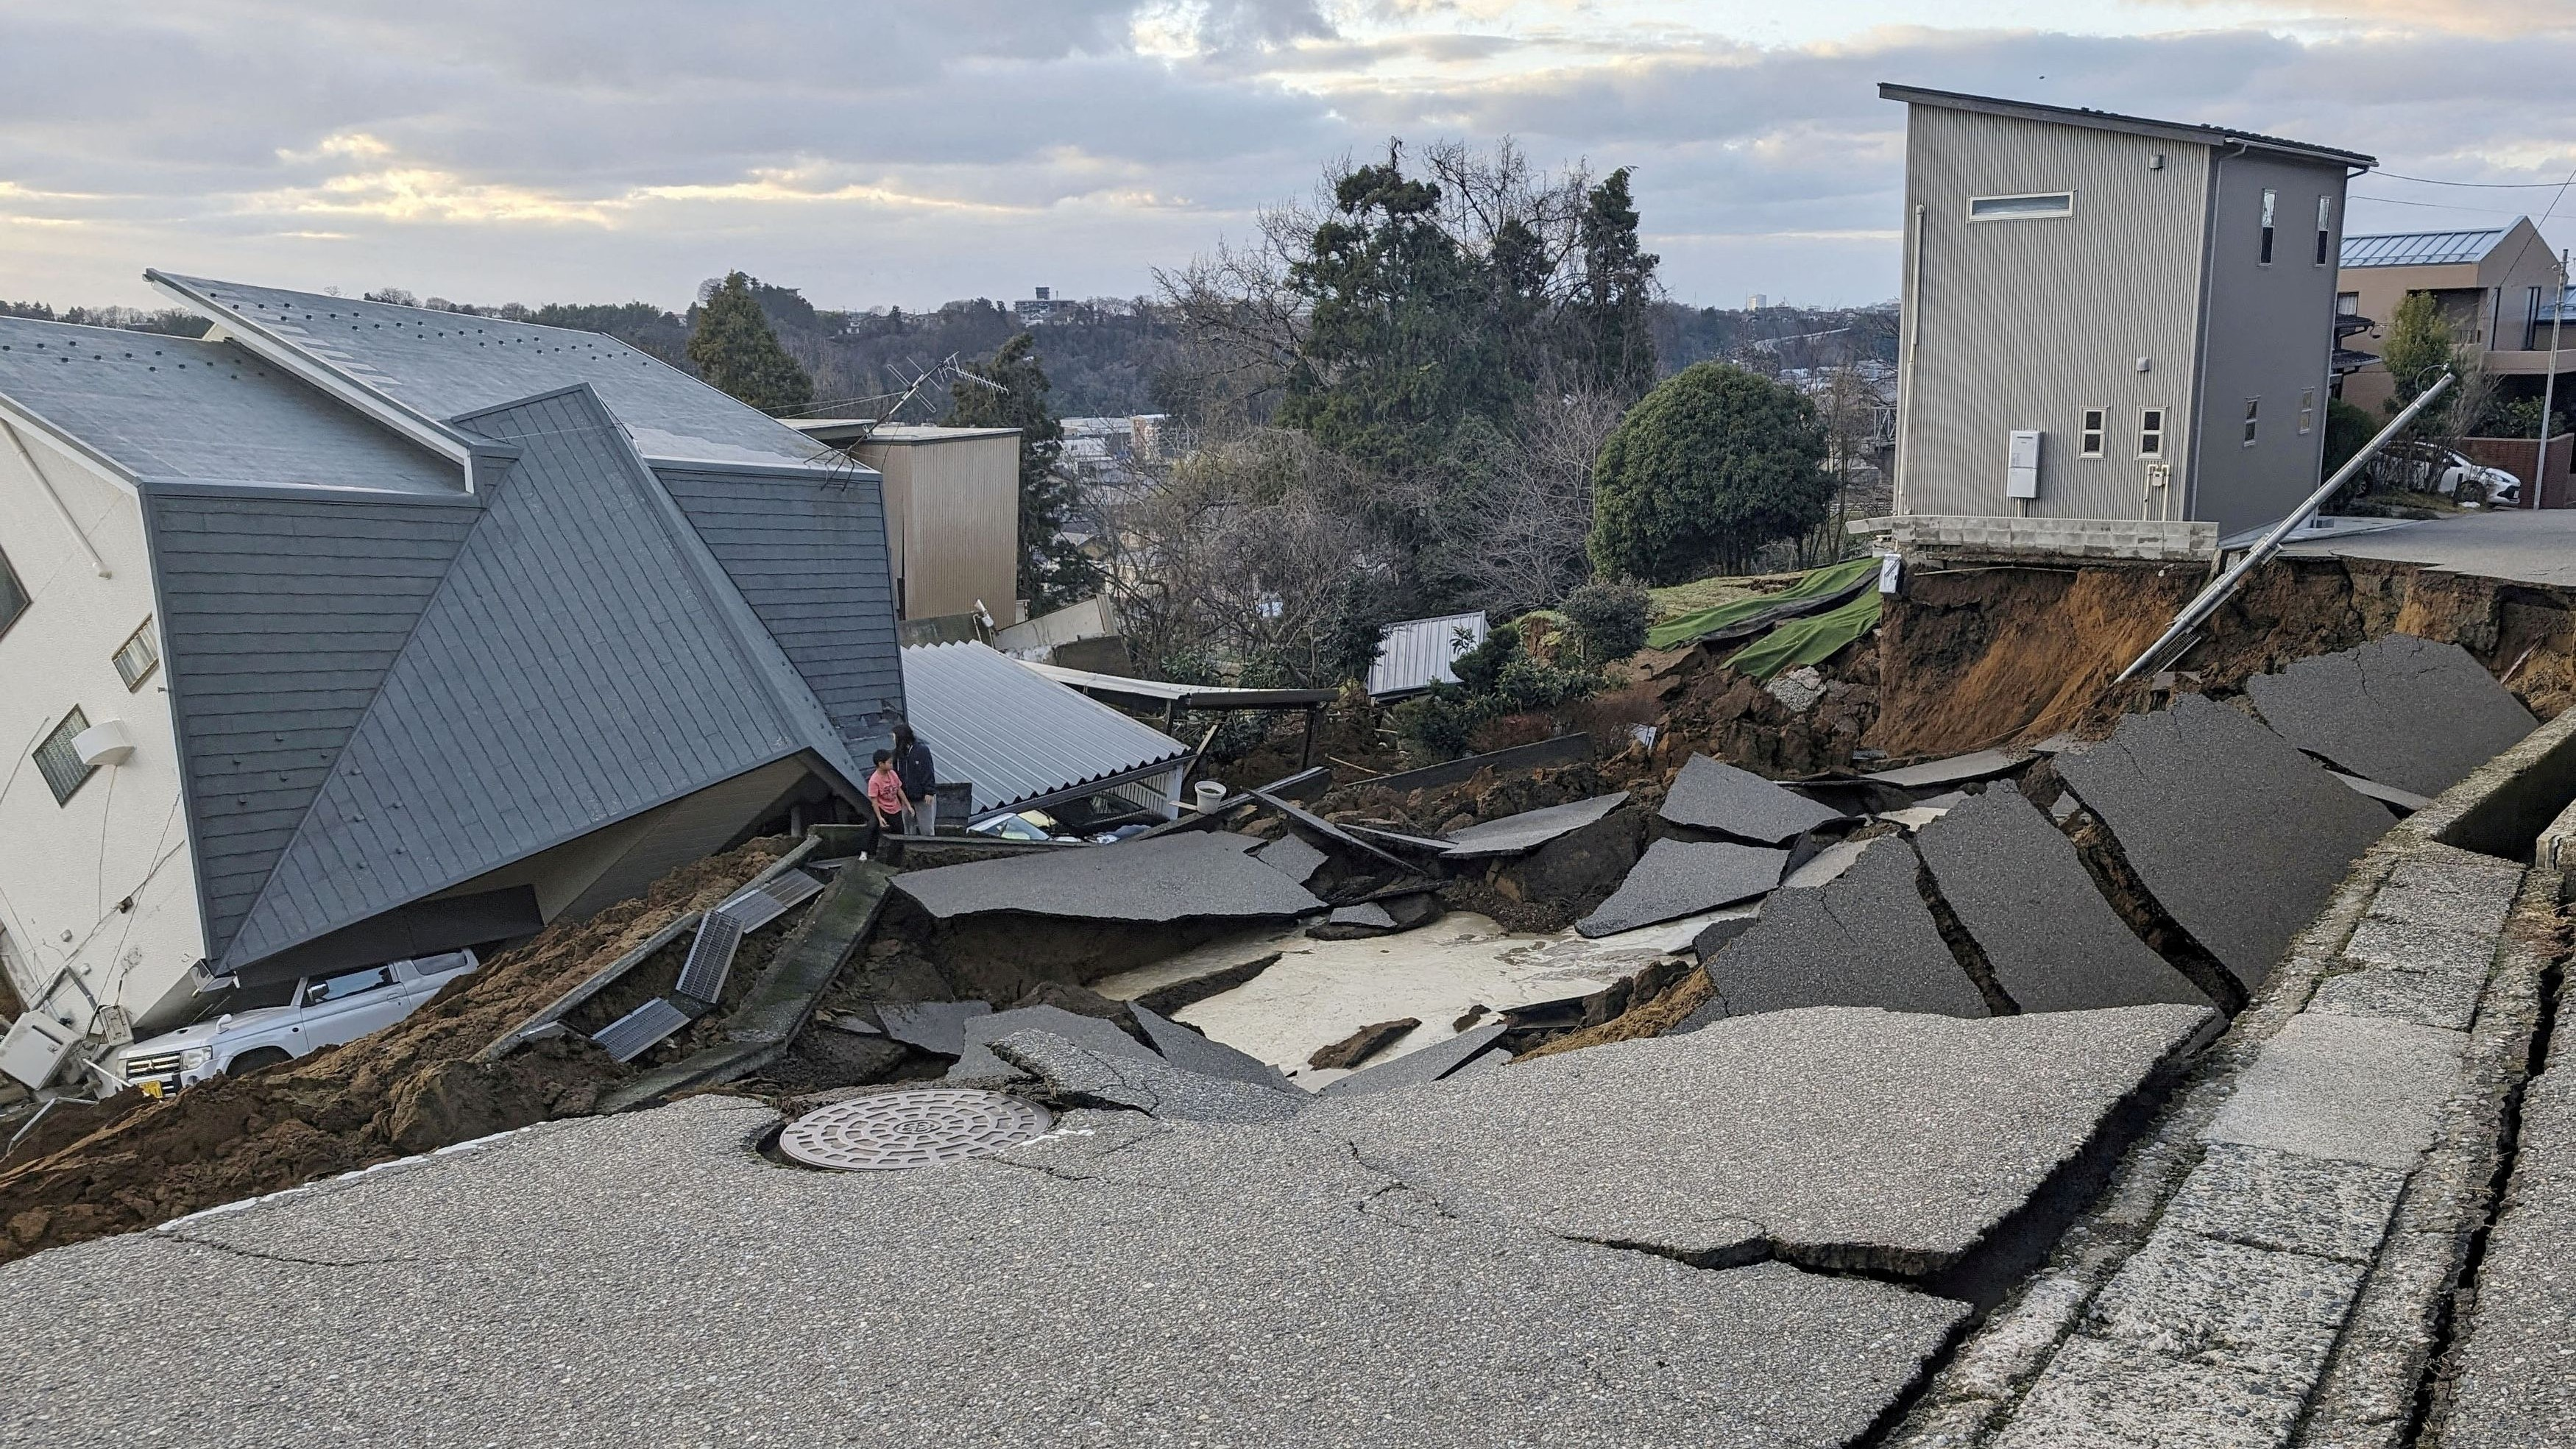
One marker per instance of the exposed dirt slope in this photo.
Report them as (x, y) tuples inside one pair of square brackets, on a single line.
[(414, 1086)]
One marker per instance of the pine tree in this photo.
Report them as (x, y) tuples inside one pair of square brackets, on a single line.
[(1613, 342), (735, 350), (1053, 572)]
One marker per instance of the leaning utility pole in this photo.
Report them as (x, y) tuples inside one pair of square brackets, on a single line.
[(2549, 388)]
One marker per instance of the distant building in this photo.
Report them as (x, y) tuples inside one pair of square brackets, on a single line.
[(2108, 317), (952, 501), (2496, 288), (1755, 302), (1043, 308)]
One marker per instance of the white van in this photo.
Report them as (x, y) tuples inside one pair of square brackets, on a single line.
[(323, 1010)]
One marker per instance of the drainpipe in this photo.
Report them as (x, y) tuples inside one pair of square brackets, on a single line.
[(2549, 389), (61, 508), (1905, 385)]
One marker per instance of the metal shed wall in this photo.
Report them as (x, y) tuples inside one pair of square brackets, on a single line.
[(1416, 654)]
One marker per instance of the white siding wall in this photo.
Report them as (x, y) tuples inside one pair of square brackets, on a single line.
[(64, 868)]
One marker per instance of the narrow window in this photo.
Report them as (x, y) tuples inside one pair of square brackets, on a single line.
[(13, 596), (136, 658), (2021, 208), (2092, 432), (2325, 228), (2347, 304), (2151, 432), (2270, 199), (58, 762), (2307, 412), (2253, 418)]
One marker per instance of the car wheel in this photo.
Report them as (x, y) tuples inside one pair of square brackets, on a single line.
[(256, 1059)]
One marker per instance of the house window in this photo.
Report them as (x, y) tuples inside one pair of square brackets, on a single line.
[(2270, 200), (2151, 432), (2307, 412), (2347, 304), (2091, 433), (136, 658), (58, 762), (2325, 228), (2022, 208), (13, 596), (2253, 418)]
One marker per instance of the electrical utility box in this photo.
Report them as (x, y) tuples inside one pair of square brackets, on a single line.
[(2021, 468)]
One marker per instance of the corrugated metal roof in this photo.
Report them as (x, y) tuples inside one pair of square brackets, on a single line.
[(2420, 248), (172, 407), (1416, 654), (445, 363), (1020, 736)]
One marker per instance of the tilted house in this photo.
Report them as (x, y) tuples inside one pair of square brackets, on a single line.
[(356, 631)]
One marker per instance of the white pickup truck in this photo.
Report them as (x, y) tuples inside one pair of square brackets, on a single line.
[(322, 1011)]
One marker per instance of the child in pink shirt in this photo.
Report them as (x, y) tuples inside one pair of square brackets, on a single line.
[(885, 792)]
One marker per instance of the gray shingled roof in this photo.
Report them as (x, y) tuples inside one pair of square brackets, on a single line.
[(581, 660), (1021, 737), (445, 363), (170, 407)]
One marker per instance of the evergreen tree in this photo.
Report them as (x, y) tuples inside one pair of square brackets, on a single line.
[(1053, 572), (2418, 349), (1613, 340), (735, 350), (1709, 467)]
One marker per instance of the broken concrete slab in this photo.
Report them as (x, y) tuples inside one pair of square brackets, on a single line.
[(978, 1063), (1341, 1310), (2399, 710), (1826, 864), (2406, 801), (1866, 939), (1956, 770), (1583, 865), (2097, 1394), (2273, 1315), (2424, 998), (2517, 1375), (1319, 828), (1361, 1045), (1683, 878), (1858, 1139), (933, 1026), (1169, 878), (1712, 938), (2053, 943), (1712, 795), (2351, 1088), (1530, 829), (1352, 923), (1193, 1052), (1076, 1076), (2240, 838), (1429, 1064), (2287, 1203), (1292, 857)]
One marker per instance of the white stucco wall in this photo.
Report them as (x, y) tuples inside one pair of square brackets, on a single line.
[(65, 869)]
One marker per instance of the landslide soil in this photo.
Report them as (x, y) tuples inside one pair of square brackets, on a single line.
[(131, 1162)]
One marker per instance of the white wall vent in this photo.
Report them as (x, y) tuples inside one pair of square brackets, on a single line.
[(104, 743)]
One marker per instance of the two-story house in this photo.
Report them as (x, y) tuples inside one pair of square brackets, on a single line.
[(2496, 288), (2110, 317)]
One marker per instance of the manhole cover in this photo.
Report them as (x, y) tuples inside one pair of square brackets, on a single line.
[(910, 1129)]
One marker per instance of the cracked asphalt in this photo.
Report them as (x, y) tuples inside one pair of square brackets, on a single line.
[(1122, 1281)]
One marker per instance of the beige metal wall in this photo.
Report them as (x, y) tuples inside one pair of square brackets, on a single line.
[(952, 518), (2025, 324)]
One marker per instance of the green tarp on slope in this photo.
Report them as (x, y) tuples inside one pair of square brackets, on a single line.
[(1744, 617), (1811, 640)]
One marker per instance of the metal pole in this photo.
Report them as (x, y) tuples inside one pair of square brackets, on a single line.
[(2225, 584), (2549, 388)]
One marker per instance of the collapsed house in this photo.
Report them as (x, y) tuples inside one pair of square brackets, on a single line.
[(353, 632)]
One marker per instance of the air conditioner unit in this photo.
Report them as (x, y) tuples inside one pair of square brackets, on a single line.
[(35, 1049), (104, 743)]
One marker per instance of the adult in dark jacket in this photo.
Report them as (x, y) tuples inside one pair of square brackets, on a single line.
[(920, 782)]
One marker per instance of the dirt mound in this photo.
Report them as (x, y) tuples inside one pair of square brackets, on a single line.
[(129, 1163)]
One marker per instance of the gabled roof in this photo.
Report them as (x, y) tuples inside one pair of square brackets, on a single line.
[(1022, 738), (150, 406), (2182, 131), (2421, 248), (444, 363)]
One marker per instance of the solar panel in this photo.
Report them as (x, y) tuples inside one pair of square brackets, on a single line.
[(711, 957), (639, 1031)]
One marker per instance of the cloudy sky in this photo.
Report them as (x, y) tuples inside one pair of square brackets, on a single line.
[(873, 153)]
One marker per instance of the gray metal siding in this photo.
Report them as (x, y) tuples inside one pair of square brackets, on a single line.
[(2270, 337), (809, 556), (1018, 735), (570, 672), (279, 618), (2024, 324)]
